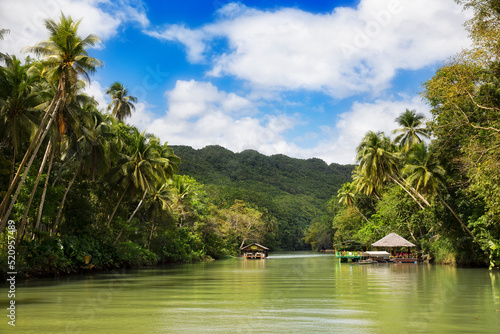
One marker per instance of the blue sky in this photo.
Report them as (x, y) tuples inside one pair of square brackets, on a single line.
[(301, 78)]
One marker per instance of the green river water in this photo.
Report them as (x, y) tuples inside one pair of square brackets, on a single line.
[(297, 292)]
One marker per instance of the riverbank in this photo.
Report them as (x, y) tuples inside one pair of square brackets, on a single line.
[(71, 255)]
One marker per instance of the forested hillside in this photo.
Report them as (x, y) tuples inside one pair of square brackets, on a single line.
[(292, 191)]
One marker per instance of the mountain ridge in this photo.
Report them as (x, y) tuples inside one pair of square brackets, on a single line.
[(295, 191)]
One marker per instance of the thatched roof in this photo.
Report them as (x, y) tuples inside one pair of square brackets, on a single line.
[(393, 240), (258, 247)]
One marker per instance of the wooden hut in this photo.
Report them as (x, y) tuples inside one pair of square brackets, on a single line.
[(254, 251), (394, 241)]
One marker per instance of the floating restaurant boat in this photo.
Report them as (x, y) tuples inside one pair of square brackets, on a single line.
[(349, 250), (394, 241), (254, 251)]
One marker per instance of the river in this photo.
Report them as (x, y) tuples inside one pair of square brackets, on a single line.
[(297, 292)]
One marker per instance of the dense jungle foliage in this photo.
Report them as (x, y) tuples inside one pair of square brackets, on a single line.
[(82, 190), (292, 192), (437, 182)]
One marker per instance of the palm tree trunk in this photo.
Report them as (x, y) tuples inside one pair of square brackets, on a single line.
[(407, 191), (459, 220), (26, 170), (116, 208), (42, 201), (35, 186), (13, 165), (118, 237), (138, 206), (411, 233), (131, 216), (59, 213), (362, 215), (415, 192), (151, 233), (34, 145), (11, 177)]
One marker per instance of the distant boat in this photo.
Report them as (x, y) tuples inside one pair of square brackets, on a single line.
[(254, 251)]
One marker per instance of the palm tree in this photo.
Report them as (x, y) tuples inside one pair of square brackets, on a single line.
[(347, 196), (426, 176), (158, 203), (96, 144), (412, 130), (182, 197), (376, 158), (18, 99), (378, 162), (65, 59), (423, 170), (122, 104), (137, 170), (2, 33), (362, 184)]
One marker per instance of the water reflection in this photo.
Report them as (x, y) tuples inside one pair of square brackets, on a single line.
[(286, 293)]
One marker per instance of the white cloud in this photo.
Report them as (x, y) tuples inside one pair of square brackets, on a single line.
[(199, 114), (348, 51), (352, 126), (97, 91), (25, 19)]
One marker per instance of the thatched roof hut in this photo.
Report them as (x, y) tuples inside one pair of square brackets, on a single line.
[(254, 251), (393, 240), (254, 247)]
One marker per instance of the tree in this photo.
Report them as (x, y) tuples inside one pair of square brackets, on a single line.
[(18, 99), (122, 104), (376, 158), (347, 197), (241, 224), (426, 175), (158, 204), (423, 170), (65, 60), (412, 130), (378, 161), (483, 27), (2, 33)]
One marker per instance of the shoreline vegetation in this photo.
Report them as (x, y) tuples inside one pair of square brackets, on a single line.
[(83, 191)]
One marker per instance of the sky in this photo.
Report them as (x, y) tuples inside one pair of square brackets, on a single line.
[(303, 78)]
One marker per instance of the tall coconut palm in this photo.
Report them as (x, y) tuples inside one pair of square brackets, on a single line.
[(96, 145), (122, 104), (183, 195), (378, 161), (426, 176), (423, 170), (66, 60), (137, 169), (363, 185), (347, 196), (18, 99), (413, 129), (377, 158), (158, 204)]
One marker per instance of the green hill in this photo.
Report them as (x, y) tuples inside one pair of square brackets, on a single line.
[(293, 191)]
